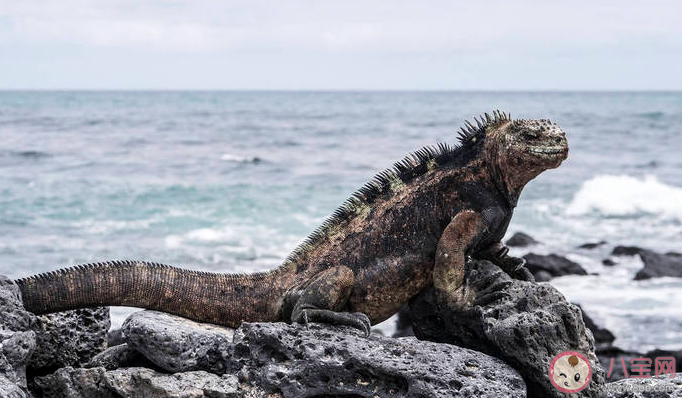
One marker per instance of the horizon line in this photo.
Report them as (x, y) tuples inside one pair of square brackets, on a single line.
[(332, 90)]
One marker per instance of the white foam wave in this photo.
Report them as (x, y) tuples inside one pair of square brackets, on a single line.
[(240, 159), (235, 246), (94, 226), (623, 195)]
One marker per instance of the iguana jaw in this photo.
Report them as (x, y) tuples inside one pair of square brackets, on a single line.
[(548, 151), (553, 156)]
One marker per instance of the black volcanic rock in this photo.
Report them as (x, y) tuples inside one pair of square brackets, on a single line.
[(330, 361), (592, 245), (526, 327), (319, 360), (119, 356), (137, 382), (542, 266), (178, 344), (626, 250), (17, 340), (69, 338), (403, 327), (602, 336), (654, 387), (521, 239), (657, 265)]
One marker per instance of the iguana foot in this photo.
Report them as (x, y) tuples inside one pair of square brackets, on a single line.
[(357, 320), (515, 267)]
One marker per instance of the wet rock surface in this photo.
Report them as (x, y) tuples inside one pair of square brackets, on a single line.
[(521, 239), (69, 338), (592, 245), (626, 250), (657, 265), (545, 267), (526, 328), (177, 344)]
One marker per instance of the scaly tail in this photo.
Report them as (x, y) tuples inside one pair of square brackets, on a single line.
[(225, 299)]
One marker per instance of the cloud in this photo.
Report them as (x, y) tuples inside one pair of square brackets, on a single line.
[(488, 44), (389, 26)]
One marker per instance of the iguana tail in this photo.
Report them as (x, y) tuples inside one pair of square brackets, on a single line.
[(225, 299)]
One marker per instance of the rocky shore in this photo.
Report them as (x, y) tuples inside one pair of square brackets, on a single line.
[(501, 348)]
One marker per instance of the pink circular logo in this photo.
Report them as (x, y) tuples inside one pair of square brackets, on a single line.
[(570, 372)]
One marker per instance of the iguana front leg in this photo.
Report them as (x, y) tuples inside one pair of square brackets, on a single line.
[(513, 266), (465, 229), (324, 299)]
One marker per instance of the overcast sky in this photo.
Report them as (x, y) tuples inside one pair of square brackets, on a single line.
[(433, 45)]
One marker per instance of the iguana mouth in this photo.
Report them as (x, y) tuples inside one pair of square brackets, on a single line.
[(548, 151)]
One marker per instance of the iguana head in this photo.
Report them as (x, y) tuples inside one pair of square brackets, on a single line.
[(517, 151), (522, 149)]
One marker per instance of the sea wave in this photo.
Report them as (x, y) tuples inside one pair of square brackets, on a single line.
[(240, 159), (627, 196)]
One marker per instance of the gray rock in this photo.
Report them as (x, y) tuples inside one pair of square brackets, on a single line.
[(521, 239), (592, 245), (540, 265), (527, 327), (69, 338), (16, 349), (136, 382), (403, 326), (626, 250), (657, 265), (602, 336), (115, 337), (655, 387), (17, 341), (677, 354), (607, 355), (13, 316), (177, 344), (323, 360), (618, 356), (120, 356), (11, 390)]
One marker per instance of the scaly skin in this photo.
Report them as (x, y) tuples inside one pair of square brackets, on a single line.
[(408, 227)]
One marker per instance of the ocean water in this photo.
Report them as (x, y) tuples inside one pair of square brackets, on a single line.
[(233, 181)]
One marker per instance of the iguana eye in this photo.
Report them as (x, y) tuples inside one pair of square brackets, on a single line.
[(577, 377), (529, 135)]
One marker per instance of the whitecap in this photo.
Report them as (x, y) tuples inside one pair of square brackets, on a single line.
[(627, 196), (240, 159)]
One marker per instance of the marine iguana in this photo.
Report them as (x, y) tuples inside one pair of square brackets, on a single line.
[(411, 225)]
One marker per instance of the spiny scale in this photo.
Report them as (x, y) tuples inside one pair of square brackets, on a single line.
[(410, 167)]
